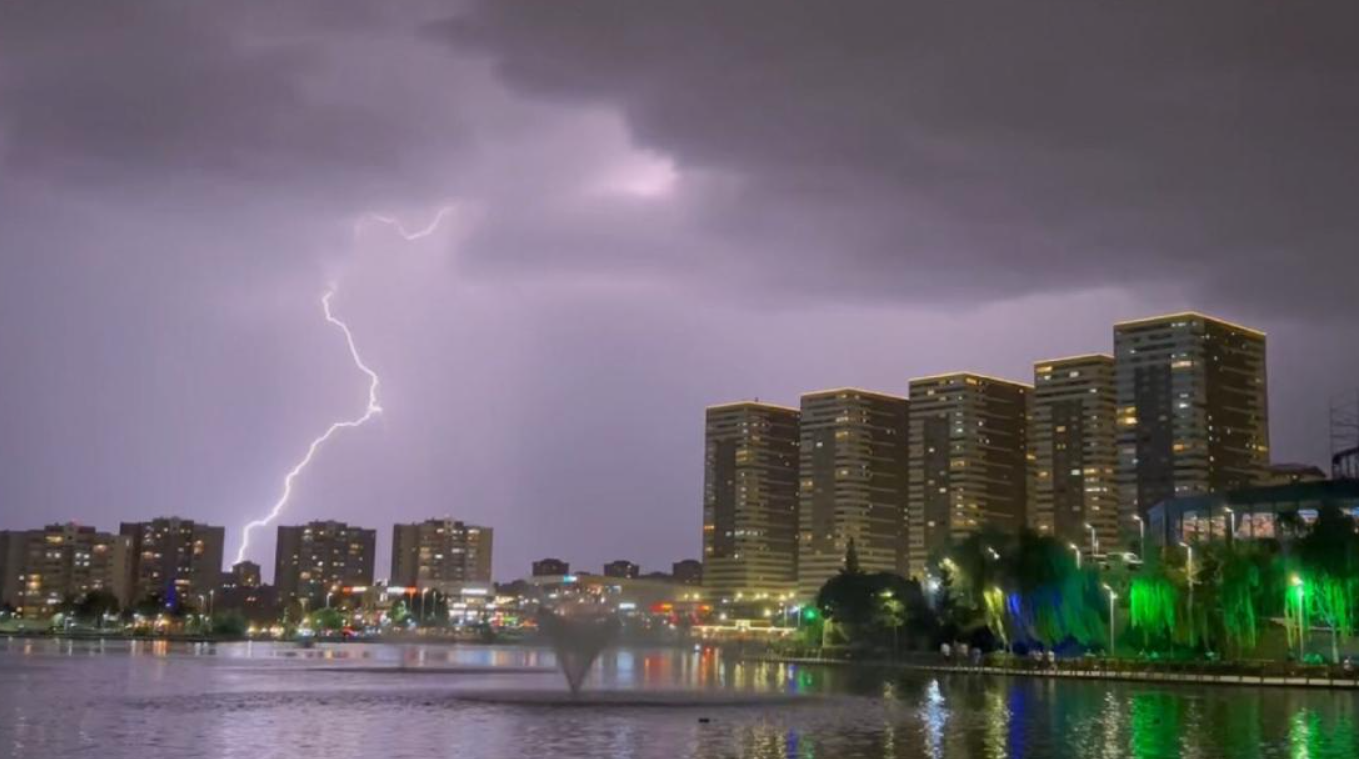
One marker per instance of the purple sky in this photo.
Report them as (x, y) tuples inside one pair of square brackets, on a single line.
[(658, 206)]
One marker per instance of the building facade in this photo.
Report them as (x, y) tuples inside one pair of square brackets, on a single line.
[(440, 553), (1073, 438), (687, 572), (750, 503), (39, 569), (622, 568), (853, 483), (968, 460), (1193, 412), (314, 559), (1258, 513), (551, 567), (173, 559)]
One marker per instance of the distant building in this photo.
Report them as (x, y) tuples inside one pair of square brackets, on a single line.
[(319, 557), (550, 568), (245, 574), (968, 460), (1248, 514), (853, 471), (1193, 413), (687, 572), (1075, 455), (243, 593), (41, 568), (1286, 474), (622, 568), (750, 500), (440, 553), (173, 559)]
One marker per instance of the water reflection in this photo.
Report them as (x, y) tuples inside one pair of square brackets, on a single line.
[(152, 699)]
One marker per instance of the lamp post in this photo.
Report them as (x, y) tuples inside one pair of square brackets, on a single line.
[(211, 596), (1141, 536), (1189, 580), (424, 613), (1231, 522), (1094, 540), (1112, 630), (1076, 550)]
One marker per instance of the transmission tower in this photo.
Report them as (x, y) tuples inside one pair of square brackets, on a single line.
[(1345, 436)]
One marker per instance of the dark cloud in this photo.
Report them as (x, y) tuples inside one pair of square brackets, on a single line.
[(932, 148), (155, 95)]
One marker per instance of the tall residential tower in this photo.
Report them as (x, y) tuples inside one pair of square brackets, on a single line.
[(750, 500), (853, 473), (968, 460), (314, 559), (1072, 438), (440, 554), (173, 559), (1193, 414)]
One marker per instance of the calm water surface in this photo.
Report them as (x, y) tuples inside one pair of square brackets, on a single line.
[(123, 700)]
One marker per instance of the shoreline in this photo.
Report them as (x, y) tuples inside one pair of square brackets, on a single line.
[(1149, 673)]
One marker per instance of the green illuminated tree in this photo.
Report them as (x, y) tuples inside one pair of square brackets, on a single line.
[(1153, 604), (1329, 558)]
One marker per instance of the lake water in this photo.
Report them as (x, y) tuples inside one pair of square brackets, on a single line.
[(122, 700)]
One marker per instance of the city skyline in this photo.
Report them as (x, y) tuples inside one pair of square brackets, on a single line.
[(853, 209), (1034, 500)]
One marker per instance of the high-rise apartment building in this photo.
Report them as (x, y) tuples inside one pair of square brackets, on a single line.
[(750, 503), (1075, 455), (968, 460), (853, 472), (41, 568), (173, 559), (440, 554), (1193, 413), (313, 559)]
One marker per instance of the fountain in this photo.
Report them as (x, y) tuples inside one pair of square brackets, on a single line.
[(577, 640)]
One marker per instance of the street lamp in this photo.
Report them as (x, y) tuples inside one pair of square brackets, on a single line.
[(1094, 541), (1231, 520), (1112, 598), (424, 613), (1141, 536), (1076, 550)]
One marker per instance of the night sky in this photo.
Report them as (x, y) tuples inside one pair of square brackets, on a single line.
[(657, 206)]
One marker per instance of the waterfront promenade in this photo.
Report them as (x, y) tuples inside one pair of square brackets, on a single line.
[(1200, 673)]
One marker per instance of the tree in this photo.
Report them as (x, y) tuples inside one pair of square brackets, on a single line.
[(399, 614), (868, 608), (891, 614), (1153, 603), (327, 619), (1329, 558), (95, 605), (230, 624), (1046, 598)]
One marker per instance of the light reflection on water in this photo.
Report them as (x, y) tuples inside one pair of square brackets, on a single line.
[(154, 699)]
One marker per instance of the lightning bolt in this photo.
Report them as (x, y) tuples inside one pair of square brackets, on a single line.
[(406, 234), (372, 409)]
